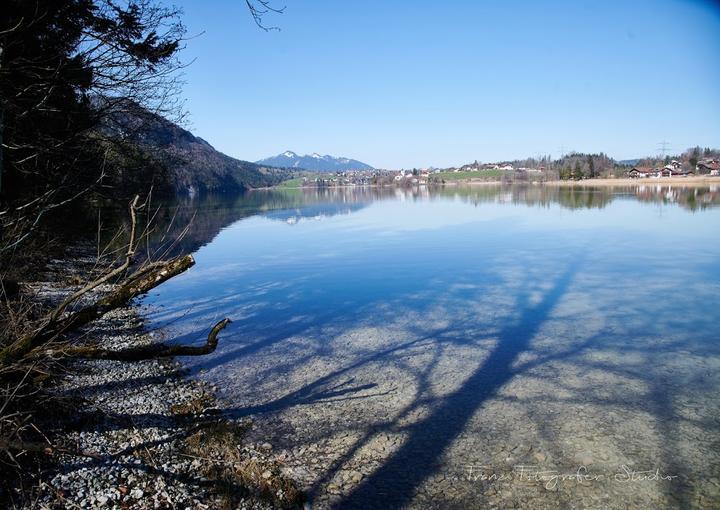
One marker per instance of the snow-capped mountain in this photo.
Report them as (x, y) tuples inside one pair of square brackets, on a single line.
[(314, 161)]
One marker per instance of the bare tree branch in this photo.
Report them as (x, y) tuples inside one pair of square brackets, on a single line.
[(259, 8), (110, 274), (150, 351)]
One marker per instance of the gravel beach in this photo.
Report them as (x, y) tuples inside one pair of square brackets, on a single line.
[(143, 435)]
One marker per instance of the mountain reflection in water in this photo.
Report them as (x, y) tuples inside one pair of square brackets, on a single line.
[(201, 219)]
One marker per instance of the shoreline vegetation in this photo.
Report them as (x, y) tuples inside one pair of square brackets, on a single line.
[(620, 181), (629, 181)]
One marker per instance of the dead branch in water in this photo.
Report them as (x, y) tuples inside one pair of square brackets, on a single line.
[(150, 351), (140, 282)]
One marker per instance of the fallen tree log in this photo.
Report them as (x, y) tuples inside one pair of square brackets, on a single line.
[(45, 448), (151, 351), (144, 279)]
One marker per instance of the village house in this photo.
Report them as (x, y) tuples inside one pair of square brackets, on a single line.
[(642, 171), (711, 166), (497, 166), (670, 171), (674, 168)]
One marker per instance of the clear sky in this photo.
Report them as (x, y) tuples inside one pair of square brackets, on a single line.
[(438, 83)]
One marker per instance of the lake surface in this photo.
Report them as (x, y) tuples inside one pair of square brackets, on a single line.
[(465, 347)]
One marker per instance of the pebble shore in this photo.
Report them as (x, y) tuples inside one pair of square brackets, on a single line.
[(127, 442)]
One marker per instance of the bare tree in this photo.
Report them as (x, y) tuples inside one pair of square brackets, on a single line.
[(259, 8)]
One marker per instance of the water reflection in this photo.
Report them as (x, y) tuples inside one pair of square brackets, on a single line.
[(386, 339), (200, 220)]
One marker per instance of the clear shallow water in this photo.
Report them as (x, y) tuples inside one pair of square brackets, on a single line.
[(397, 343)]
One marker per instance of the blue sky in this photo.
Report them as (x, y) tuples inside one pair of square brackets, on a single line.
[(419, 83)]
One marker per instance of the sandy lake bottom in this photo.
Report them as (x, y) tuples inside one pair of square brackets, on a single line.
[(455, 352)]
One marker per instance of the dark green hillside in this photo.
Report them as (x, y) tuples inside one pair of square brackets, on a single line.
[(148, 150)]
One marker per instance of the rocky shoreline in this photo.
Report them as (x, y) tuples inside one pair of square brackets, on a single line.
[(142, 434)]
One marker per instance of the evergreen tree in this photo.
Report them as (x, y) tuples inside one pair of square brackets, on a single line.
[(64, 65), (694, 157), (591, 166)]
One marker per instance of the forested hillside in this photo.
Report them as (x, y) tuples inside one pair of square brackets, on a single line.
[(149, 150)]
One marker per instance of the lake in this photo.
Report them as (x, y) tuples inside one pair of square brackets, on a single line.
[(465, 347)]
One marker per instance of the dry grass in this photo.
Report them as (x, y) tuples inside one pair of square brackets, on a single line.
[(28, 416), (623, 181), (193, 407), (236, 473), (21, 394)]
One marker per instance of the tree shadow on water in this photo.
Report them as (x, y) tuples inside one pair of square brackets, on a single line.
[(394, 483), (517, 349)]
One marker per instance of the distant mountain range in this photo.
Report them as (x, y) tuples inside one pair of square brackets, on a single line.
[(314, 162)]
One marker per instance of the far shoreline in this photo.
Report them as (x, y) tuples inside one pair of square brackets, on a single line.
[(621, 181), (628, 181)]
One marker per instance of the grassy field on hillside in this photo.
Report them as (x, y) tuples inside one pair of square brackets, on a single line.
[(297, 182)]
